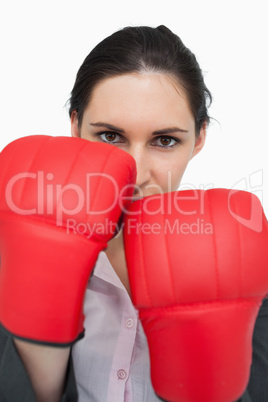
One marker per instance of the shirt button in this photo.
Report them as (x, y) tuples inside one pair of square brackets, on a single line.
[(121, 374), (129, 323)]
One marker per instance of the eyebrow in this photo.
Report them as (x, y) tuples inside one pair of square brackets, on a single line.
[(157, 132)]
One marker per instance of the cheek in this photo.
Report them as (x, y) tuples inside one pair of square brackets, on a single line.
[(85, 134), (170, 174), (175, 177)]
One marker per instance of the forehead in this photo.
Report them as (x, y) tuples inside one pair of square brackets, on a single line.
[(143, 96)]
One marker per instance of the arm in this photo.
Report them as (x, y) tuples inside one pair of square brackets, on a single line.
[(47, 261), (19, 381), (257, 389), (258, 382), (46, 367), (201, 292)]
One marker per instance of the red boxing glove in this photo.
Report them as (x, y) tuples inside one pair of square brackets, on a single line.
[(198, 271), (60, 201)]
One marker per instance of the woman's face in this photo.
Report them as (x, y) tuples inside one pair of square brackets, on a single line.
[(146, 115)]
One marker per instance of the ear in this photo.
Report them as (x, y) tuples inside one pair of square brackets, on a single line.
[(200, 140), (74, 124)]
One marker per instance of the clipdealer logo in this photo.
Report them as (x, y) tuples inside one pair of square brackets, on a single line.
[(253, 184), (51, 198), (131, 226), (199, 227)]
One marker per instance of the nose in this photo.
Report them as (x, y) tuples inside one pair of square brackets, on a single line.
[(143, 166)]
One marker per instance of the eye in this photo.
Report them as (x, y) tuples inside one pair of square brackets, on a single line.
[(110, 137), (166, 141)]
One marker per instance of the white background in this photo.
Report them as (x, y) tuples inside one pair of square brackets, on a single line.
[(44, 43)]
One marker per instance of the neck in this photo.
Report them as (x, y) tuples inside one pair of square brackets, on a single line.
[(116, 255), (116, 245)]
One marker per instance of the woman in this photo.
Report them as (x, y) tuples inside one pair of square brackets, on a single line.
[(140, 90)]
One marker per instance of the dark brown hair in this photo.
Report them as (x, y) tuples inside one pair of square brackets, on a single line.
[(138, 49)]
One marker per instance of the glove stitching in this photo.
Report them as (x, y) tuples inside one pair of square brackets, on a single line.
[(172, 281), (142, 262), (245, 302), (216, 265), (46, 139)]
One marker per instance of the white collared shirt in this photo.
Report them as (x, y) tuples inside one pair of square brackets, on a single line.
[(111, 362)]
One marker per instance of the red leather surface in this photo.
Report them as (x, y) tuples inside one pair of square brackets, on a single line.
[(45, 261), (198, 270)]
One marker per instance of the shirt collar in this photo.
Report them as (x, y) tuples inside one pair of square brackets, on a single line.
[(104, 270)]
